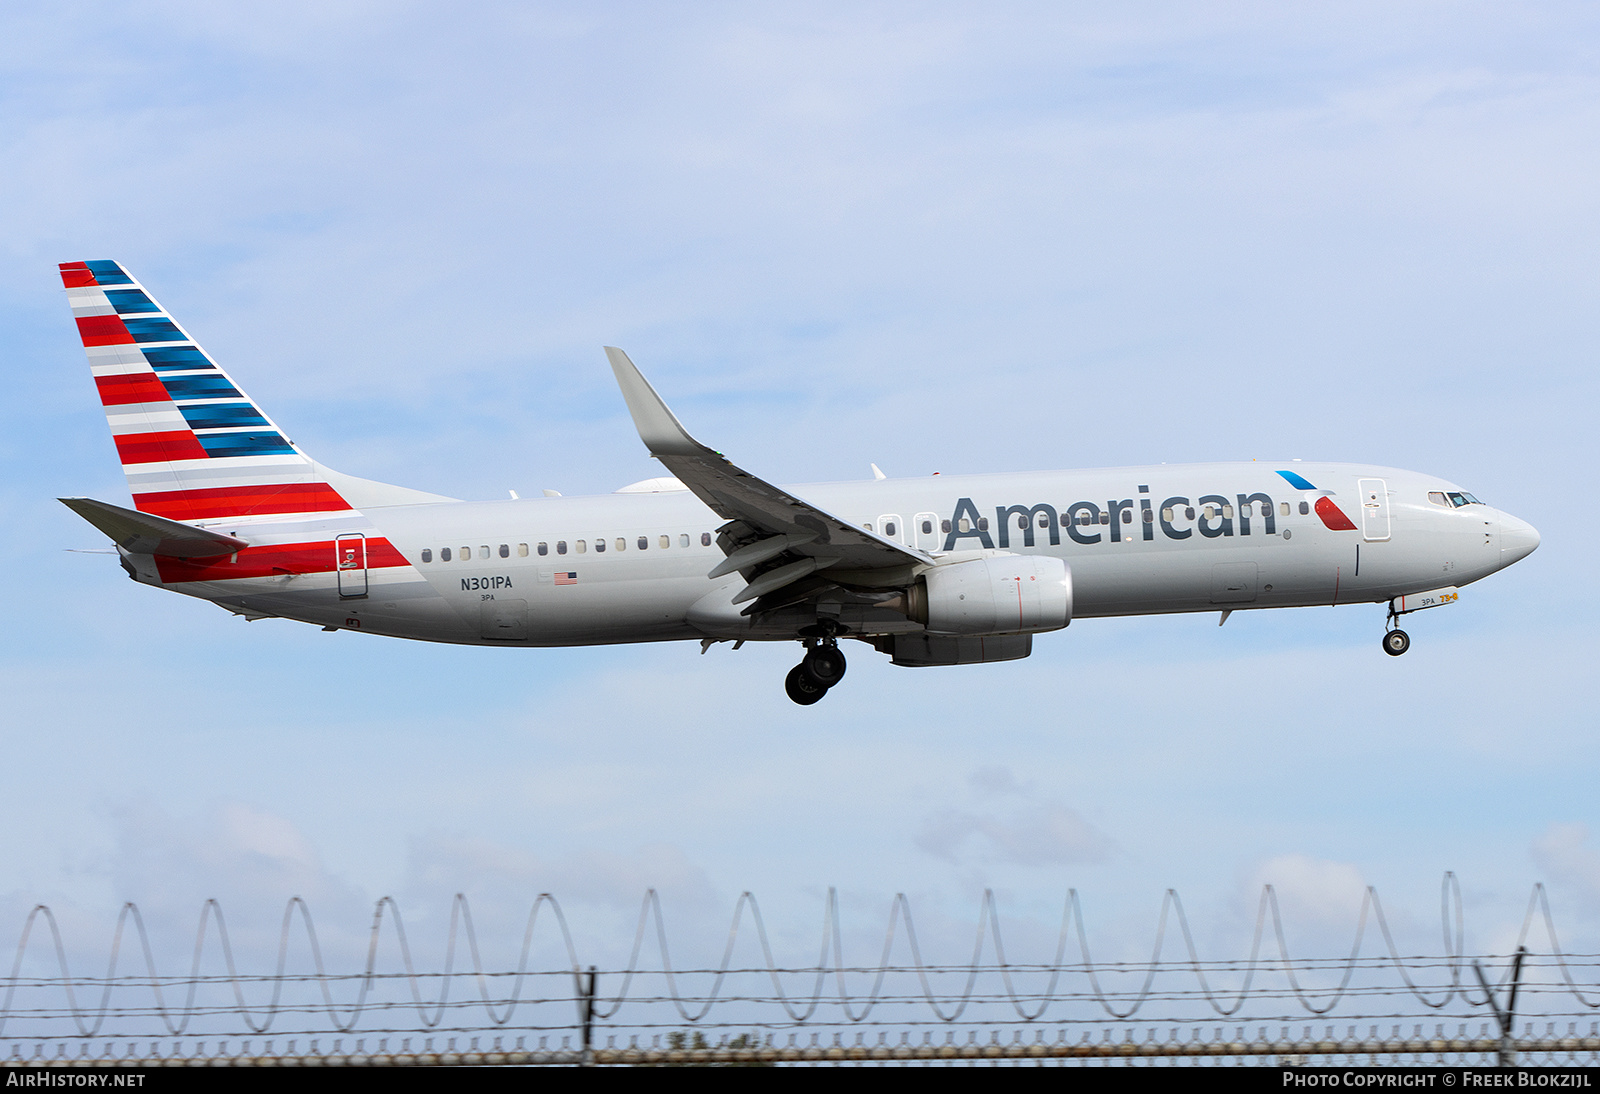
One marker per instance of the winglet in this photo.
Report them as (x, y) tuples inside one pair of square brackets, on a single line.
[(658, 427)]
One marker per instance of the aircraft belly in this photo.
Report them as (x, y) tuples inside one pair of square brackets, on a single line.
[(396, 605), (1144, 578), (598, 610), (1311, 567)]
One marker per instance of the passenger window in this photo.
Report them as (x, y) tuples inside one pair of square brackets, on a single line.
[(561, 546), (444, 554), (1166, 514), (966, 525), (888, 528), (1149, 516), (1188, 513), (1305, 507), (599, 546), (1044, 521), (483, 550), (522, 550), (1211, 512), (867, 526), (1227, 511), (544, 549), (666, 541), (683, 540), (1105, 518), (927, 527), (944, 526), (505, 550), (644, 542), (466, 554), (705, 539), (1127, 516), (427, 554), (983, 524), (1022, 522), (579, 546), (1283, 509), (622, 544)]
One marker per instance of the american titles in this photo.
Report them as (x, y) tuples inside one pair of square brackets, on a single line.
[(1087, 522)]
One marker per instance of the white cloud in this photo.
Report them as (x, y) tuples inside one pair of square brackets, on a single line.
[(1563, 854), (1318, 899), (1014, 824), (240, 854), (613, 879)]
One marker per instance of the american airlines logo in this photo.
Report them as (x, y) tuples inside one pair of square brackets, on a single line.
[(1214, 516)]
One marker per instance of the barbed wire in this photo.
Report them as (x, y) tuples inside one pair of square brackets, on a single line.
[(501, 993)]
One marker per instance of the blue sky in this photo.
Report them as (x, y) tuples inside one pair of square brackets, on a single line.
[(1035, 236)]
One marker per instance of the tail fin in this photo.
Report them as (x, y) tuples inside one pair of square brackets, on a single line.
[(193, 445)]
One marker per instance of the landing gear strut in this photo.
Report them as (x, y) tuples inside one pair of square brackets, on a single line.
[(822, 667), (1395, 640)]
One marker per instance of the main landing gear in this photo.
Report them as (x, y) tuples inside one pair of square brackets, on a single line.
[(822, 667)]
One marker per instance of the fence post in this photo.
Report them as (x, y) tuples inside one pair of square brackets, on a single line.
[(1506, 1019), (586, 997)]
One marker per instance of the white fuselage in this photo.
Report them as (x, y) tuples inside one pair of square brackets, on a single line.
[(517, 574)]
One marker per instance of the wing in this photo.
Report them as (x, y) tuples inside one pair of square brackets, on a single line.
[(776, 540)]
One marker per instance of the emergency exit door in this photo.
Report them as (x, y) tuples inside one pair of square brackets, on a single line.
[(1374, 509)]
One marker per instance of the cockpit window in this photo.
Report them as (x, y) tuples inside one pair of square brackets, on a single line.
[(1457, 498)]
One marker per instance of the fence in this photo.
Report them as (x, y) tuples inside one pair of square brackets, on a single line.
[(1391, 1006)]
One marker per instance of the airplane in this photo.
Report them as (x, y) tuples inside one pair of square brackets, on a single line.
[(942, 570)]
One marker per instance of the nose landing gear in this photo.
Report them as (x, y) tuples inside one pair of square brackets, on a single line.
[(1395, 640), (822, 667)]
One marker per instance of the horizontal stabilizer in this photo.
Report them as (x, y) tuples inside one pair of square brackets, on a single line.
[(147, 534)]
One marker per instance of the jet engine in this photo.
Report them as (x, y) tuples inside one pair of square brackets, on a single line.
[(997, 594)]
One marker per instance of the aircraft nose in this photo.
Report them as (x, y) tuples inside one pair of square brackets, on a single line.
[(1518, 539)]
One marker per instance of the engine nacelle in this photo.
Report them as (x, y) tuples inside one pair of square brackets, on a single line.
[(998, 594)]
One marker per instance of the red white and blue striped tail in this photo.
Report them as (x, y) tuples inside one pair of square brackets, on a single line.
[(193, 445)]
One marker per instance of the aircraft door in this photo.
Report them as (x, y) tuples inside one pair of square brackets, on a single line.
[(1374, 510), (350, 560), (927, 531), (892, 527)]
